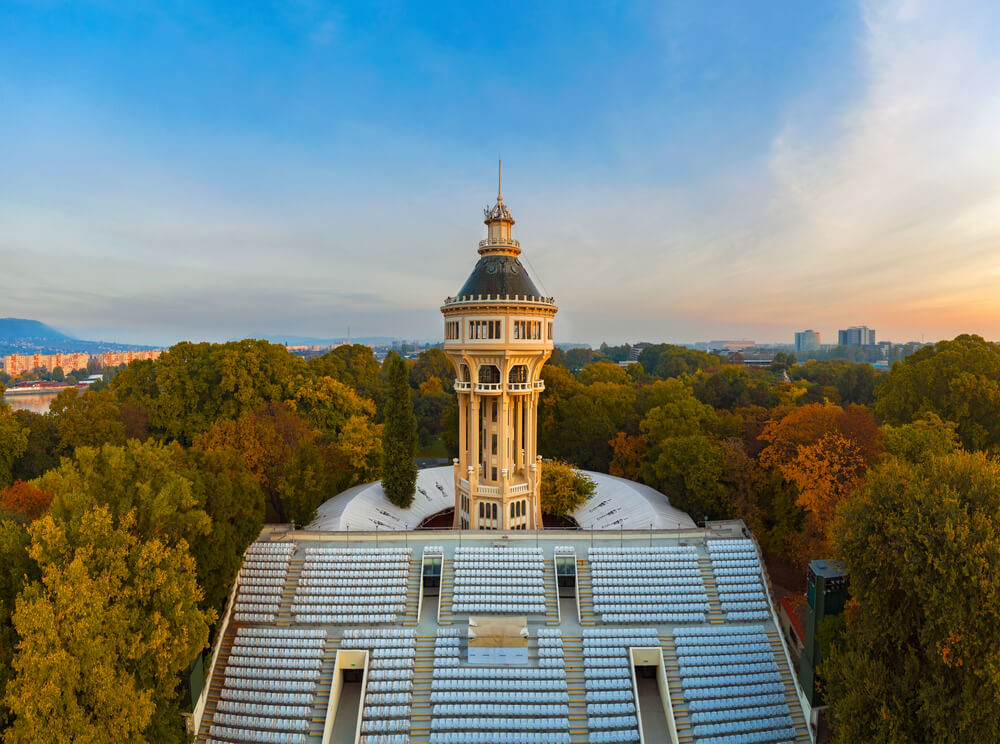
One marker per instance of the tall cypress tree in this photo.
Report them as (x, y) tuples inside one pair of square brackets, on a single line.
[(399, 436)]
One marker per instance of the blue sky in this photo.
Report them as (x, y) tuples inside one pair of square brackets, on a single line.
[(678, 171)]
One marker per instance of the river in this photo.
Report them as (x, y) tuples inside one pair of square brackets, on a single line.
[(36, 402)]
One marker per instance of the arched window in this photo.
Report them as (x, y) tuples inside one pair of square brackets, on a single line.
[(518, 373), (513, 509), (464, 373), (489, 373)]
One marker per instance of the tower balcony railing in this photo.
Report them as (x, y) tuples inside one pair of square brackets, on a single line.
[(497, 387), (488, 490), (518, 488), (501, 242)]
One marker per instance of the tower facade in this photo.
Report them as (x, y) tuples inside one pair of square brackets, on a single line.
[(498, 334)]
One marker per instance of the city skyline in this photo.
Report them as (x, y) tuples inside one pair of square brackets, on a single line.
[(737, 172)]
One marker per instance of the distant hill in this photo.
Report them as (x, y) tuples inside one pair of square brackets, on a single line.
[(23, 336), (15, 330)]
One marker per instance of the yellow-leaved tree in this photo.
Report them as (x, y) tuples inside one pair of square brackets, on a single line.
[(104, 634)]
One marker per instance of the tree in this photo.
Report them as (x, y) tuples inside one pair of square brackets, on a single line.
[(104, 634), (399, 436), (433, 363), (24, 500), (13, 443), (140, 479), (87, 419), (193, 385), (665, 360), (825, 451), (689, 470), (234, 501), (564, 489), (603, 372), (734, 387), (16, 569), (284, 454), (629, 452), (353, 365), (917, 659), (925, 438), (853, 382), (958, 380)]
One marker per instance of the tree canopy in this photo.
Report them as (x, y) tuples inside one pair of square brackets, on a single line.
[(103, 634), (958, 380), (564, 489), (917, 658), (399, 436)]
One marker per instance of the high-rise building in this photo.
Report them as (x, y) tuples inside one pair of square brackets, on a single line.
[(498, 334), (856, 336), (808, 340)]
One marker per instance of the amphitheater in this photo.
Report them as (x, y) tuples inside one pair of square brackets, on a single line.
[(554, 637)]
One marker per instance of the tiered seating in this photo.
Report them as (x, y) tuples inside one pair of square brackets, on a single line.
[(499, 581), (270, 679), (261, 580), (352, 585), (499, 704), (611, 709), (738, 576), (385, 718), (732, 685), (648, 585)]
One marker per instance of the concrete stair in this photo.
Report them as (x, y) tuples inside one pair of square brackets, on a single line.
[(284, 616), (575, 682), (585, 588), (681, 718), (423, 673), (322, 697), (716, 616), (218, 676), (447, 593), (791, 696)]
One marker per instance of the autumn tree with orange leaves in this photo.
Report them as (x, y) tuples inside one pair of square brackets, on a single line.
[(825, 451)]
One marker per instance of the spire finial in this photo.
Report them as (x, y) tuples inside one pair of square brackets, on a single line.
[(499, 174)]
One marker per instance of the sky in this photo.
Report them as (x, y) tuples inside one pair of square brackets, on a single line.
[(679, 171)]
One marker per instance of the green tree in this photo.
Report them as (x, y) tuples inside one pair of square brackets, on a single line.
[(925, 438), (689, 470), (13, 443), (104, 635), (430, 364), (958, 380), (603, 372), (58, 375), (564, 489), (854, 382), (234, 501), (87, 419), (140, 479), (284, 454), (918, 659), (16, 569), (399, 436), (734, 387), (666, 361), (355, 366)]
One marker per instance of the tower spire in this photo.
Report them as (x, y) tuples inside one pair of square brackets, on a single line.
[(499, 174)]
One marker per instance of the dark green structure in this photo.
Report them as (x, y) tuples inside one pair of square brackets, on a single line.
[(826, 595)]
